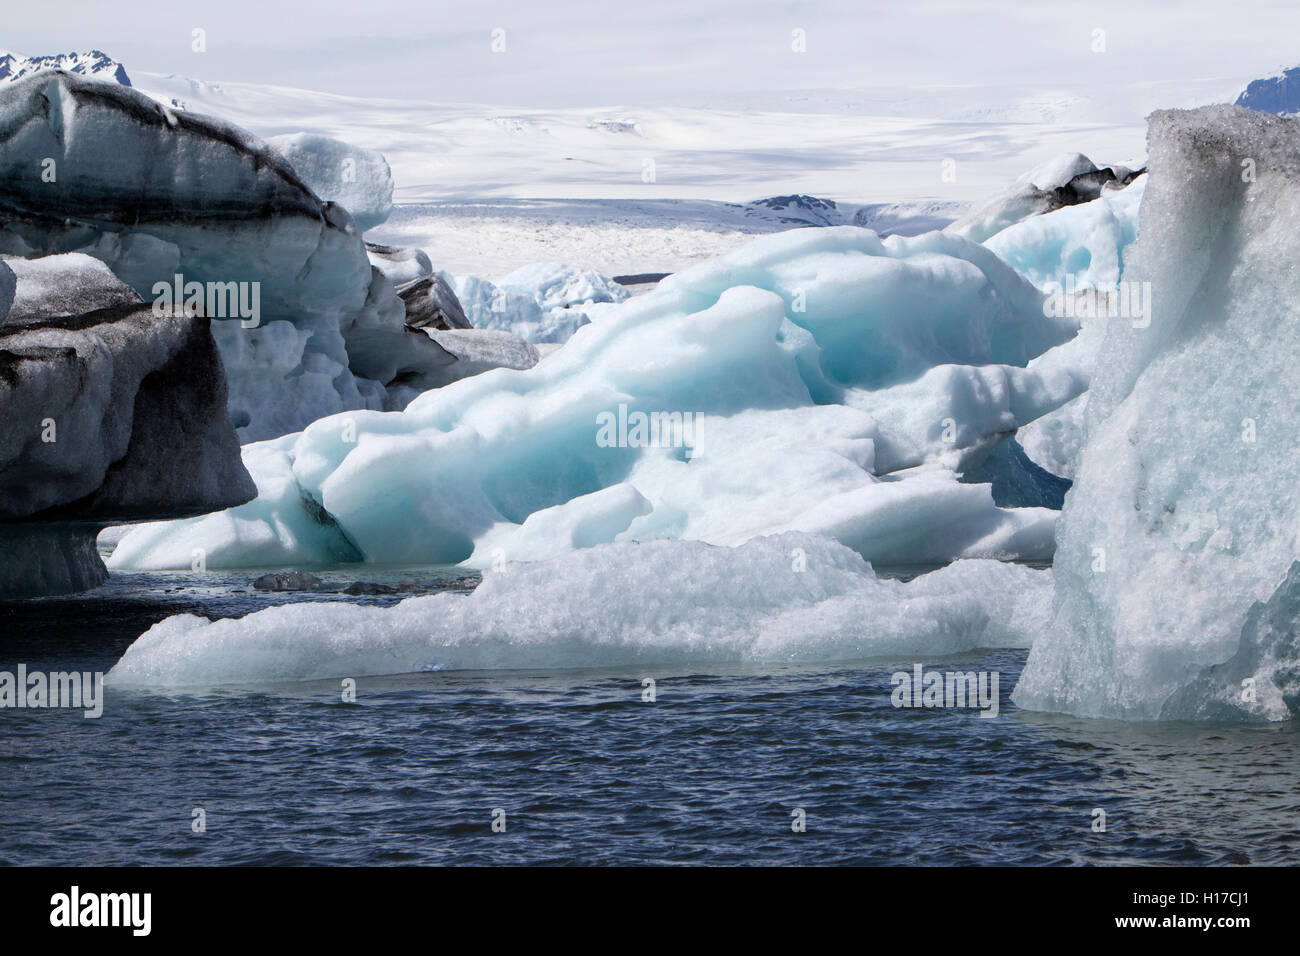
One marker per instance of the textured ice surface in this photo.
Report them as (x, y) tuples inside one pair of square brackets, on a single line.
[(781, 599), (1267, 660), (581, 522), (1054, 441), (821, 380), (1084, 241), (155, 193), (1184, 510), (554, 285), (8, 284), (70, 284), (357, 179), (489, 307), (1066, 180), (480, 350), (401, 265), (545, 302), (1070, 253), (115, 416)]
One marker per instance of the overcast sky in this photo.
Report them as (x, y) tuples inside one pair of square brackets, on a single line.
[(642, 52)]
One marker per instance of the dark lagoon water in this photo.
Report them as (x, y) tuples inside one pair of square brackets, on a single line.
[(589, 773)]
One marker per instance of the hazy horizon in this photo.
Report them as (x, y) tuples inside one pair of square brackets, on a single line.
[(589, 54)]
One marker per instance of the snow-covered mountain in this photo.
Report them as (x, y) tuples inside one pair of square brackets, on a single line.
[(457, 151), (875, 147), (95, 64), (1278, 94), (485, 189)]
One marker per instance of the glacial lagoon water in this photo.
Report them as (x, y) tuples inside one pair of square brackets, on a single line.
[(588, 772)]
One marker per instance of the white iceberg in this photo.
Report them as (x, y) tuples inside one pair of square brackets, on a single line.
[(819, 380), (1184, 514), (554, 285), (778, 600), (1063, 181), (1084, 242), (1077, 255), (1054, 441), (357, 179), (542, 303), (158, 194), (489, 307)]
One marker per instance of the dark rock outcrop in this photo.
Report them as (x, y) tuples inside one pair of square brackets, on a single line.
[(288, 581), (1279, 95)]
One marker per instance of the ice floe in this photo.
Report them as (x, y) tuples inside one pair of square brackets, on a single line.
[(784, 599)]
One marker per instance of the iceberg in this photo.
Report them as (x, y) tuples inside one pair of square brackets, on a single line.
[(432, 304), (487, 306), (357, 179), (1175, 585), (1054, 441), (158, 194), (116, 415), (70, 284), (1073, 253), (1260, 681), (542, 303), (1085, 242), (1066, 180), (784, 599), (8, 285), (824, 381), (554, 285)]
